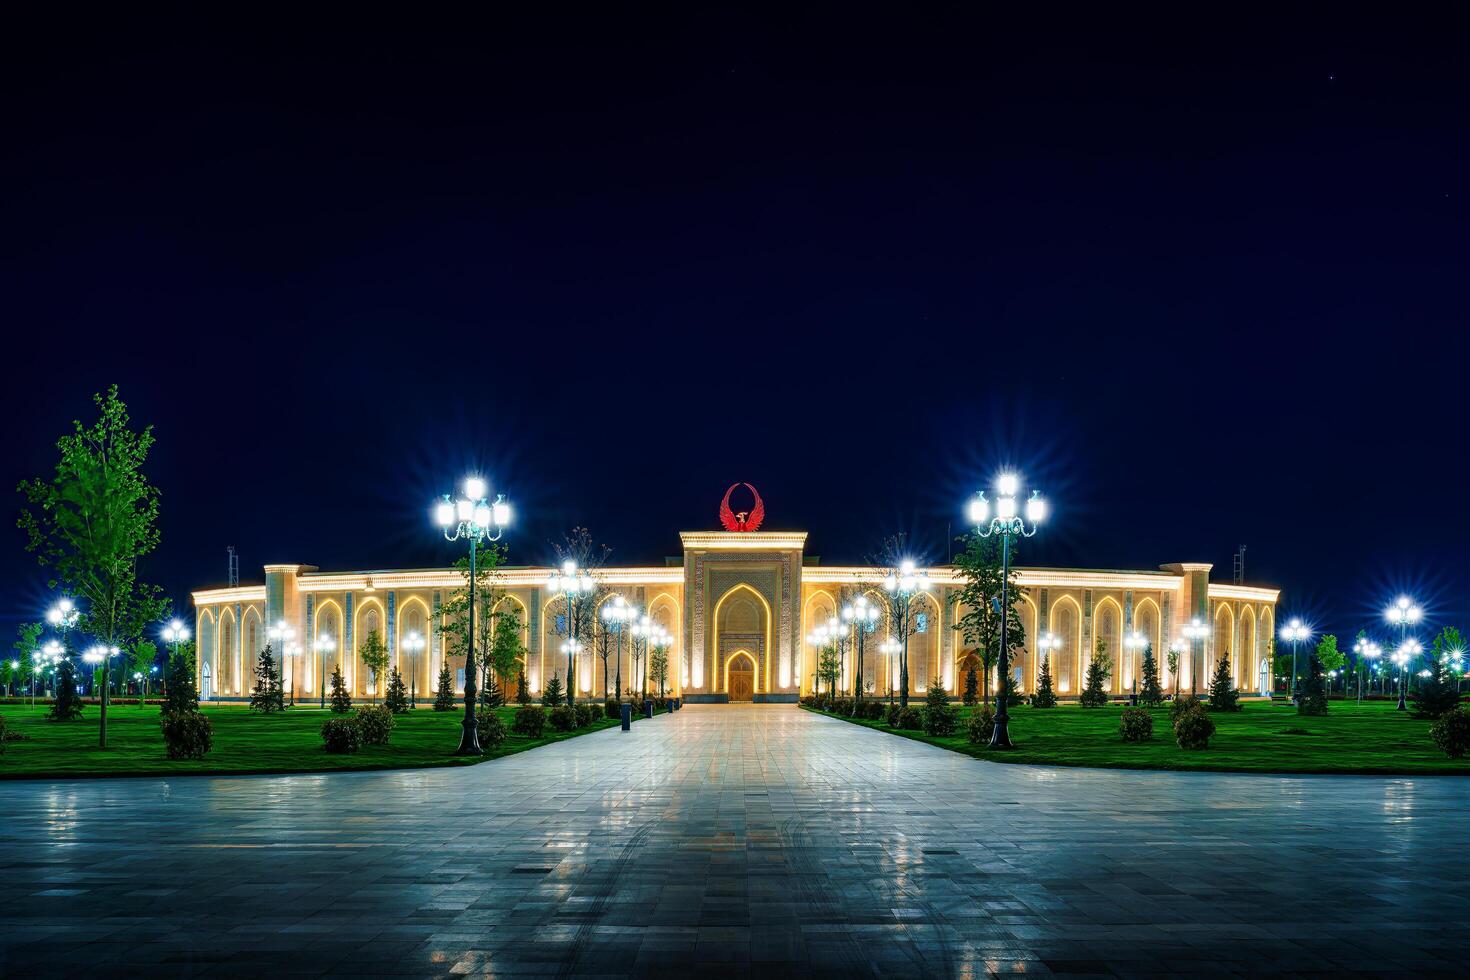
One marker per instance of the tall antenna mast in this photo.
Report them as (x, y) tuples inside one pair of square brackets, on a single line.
[(234, 566), (1240, 566)]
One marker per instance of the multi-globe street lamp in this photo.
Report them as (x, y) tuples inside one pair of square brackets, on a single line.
[(822, 637), (1047, 644), (1366, 649), (1403, 656), (1404, 612), (324, 646), (1133, 643), (890, 648), (575, 585), (1196, 633), (474, 518), (413, 645), (1007, 524), (283, 636), (863, 615), (661, 641), (618, 616), (47, 658), (901, 586)]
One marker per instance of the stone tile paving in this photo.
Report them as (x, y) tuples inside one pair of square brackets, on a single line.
[(733, 840)]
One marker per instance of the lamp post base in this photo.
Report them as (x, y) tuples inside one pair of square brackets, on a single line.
[(1000, 738), (469, 739)]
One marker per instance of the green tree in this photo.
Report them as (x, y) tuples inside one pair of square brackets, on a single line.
[(1332, 658), (552, 696), (506, 651), (27, 642), (1171, 657), (1312, 693), (1440, 691), (93, 521), (1099, 669), (523, 693), (971, 694), (68, 703), (457, 614), (1046, 695), (141, 656), (1150, 693), (267, 696), (444, 696), (373, 654), (658, 668), (829, 666), (396, 700), (978, 602), (1223, 695), (341, 699), (180, 693)]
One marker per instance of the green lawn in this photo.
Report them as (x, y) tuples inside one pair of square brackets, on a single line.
[(244, 742), (1371, 739)]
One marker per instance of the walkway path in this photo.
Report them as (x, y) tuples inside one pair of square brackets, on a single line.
[(725, 839)]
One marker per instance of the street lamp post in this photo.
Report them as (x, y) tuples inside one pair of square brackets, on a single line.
[(890, 648), (1133, 643), (413, 644), (473, 518), (660, 641), (901, 587), (863, 615), (1196, 632), (1404, 612), (617, 615), (575, 585), (1407, 651), (282, 635), (1294, 633), (1366, 649), (1007, 524), (100, 654), (324, 645)]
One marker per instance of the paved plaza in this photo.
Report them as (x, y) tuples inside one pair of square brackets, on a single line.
[(729, 840)]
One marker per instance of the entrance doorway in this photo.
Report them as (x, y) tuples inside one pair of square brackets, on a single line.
[(740, 679), (206, 688)]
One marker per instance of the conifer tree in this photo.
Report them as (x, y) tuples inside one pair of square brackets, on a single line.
[(341, 700), (1099, 669), (972, 686), (523, 693), (396, 700), (1223, 695), (267, 696), (444, 696), (1046, 695), (1439, 692), (181, 694), (1151, 693), (552, 696), (68, 703), (491, 695), (1312, 692)]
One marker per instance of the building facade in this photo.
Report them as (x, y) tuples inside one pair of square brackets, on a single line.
[(740, 607)]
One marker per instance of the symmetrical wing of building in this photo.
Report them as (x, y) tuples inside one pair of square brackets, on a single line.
[(740, 608)]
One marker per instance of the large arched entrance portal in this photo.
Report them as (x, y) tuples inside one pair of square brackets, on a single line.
[(740, 676)]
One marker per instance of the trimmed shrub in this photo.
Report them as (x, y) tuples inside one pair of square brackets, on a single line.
[(341, 736), (910, 719), (586, 714), (981, 725), (1136, 725), (186, 734), (490, 729), (939, 716), (563, 719), (611, 709), (530, 721), (1452, 732), (1180, 705), (841, 706), (890, 715), (1194, 729), (375, 724), (809, 701), (870, 710)]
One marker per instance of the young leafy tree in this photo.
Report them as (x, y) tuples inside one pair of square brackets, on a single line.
[(506, 652), (972, 686), (1150, 693), (267, 695), (92, 523), (444, 696), (979, 565), (457, 614), (27, 642), (180, 694), (1046, 694), (1332, 658), (68, 703), (1312, 693), (552, 696), (141, 656), (374, 656), (396, 700), (1223, 695), (1172, 659), (341, 699), (829, 665), (658, 667), (1099, 669)]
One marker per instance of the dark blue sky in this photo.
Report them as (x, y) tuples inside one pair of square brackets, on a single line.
[(1202, 282)]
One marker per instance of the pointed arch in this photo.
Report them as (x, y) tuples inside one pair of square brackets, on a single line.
[(1265, 632), (1223, 640), (740, 654), (1243, 660), (414, 616), (769, 653), (1107, 625), (227, 660), (368, 615), (1030, 666), (811, 613), (327, 623), (206, 634), (930, 652), (665, 609), (1064, 620)]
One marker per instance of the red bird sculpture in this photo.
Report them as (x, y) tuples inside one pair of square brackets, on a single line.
[(744, 520)]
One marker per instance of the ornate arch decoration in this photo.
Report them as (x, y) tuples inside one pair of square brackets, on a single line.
[(1074, 656), (769, 652), (725, 674)]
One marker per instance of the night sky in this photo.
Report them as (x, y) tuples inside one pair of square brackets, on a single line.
[(1202, 282)]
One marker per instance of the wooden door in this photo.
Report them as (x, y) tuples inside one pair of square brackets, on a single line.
[(742, 680)]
